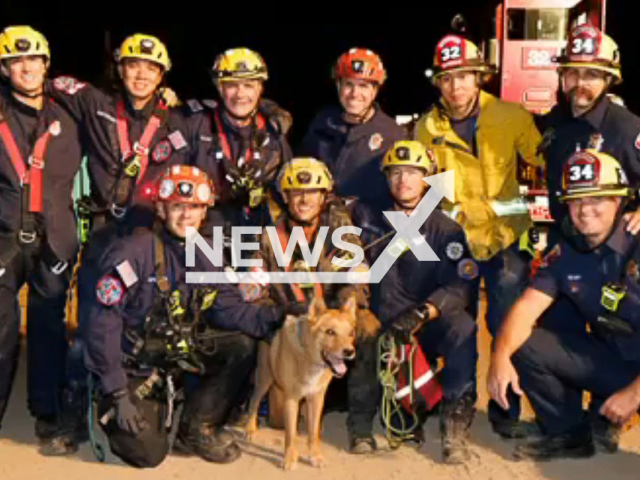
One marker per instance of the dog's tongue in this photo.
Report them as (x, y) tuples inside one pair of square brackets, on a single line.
[(340, 368)]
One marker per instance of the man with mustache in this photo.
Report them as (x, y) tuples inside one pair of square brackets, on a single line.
[(585, 117)]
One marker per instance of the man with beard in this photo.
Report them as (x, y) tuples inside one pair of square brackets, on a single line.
[(585, 117)]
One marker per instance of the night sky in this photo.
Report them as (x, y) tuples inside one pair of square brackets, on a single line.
[(299, 53)]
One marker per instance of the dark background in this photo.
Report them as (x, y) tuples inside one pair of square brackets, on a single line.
[(299, 52)]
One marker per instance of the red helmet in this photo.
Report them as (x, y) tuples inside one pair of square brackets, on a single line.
[(456, 53), (184, 184), (362, 64)]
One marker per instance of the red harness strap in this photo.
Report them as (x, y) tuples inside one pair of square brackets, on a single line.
[(224, 142), (297, 291), (32, 176), (141, 147)]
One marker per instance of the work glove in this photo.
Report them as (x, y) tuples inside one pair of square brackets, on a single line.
[(128, 417), (408, 323)]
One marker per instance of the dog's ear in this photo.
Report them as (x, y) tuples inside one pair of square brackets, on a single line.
[(317, 308), (350, 307)]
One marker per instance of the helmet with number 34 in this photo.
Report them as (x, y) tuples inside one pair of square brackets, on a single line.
[(588, 47), (590, 173)]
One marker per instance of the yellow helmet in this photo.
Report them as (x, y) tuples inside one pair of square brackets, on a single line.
[(22, 41), (410, 153), (305, 173), (589, 47), (239, 63), (145, 47), (456, 53), (590, 173)]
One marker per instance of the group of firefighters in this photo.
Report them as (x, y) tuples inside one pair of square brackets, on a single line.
[(148, 340)]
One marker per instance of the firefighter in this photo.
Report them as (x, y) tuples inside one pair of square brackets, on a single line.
[(429, 300), (38, 243), (553, 369), (133, 135), (480, 137), (351, 139), (306, 186), (585, 116), (138, 289), (244, 137)]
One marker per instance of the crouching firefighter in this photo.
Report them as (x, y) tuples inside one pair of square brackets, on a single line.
[(420, 304), (145, 326), (310, 220)]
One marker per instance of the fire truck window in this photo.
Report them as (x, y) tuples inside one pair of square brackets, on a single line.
[(537, 24)]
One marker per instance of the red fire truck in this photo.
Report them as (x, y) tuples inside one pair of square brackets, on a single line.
[(529, 34)]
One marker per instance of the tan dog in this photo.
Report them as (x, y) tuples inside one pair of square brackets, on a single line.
[(301, 360)]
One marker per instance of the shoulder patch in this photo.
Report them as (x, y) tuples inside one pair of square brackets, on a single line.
[(454, 251), (68, 85), (375, 142), (161, 151), (194, 105), (638, 142), (109, 290), (128, 276), (468, 269)]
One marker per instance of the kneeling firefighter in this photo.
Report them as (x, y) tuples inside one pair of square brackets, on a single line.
[(147, 331)]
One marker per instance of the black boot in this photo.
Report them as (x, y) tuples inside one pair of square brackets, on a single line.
[(362, 444), (507, 427), (211, 443), (60, 435), (577, 443), (455, 420)]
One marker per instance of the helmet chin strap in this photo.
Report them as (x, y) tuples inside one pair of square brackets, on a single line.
[(362, 118)]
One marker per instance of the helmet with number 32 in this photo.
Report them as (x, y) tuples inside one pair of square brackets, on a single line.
[(455, 53)]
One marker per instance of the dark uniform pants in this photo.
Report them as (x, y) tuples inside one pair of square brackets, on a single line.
[(555, 368), (35, 265), (453, 338), (208, 400), (505, 278)]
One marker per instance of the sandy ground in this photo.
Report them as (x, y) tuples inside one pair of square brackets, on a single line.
[(19, 458)]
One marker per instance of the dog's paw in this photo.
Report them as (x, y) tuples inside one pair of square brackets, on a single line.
[(318, 461), (290, 461)]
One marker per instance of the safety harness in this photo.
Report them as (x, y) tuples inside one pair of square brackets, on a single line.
[(243, 173), (30, 174), (135, 159)]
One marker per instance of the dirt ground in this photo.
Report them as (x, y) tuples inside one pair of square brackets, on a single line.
[(19, 458)]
